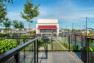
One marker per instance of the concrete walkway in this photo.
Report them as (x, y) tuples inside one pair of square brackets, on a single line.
[(59, 57)]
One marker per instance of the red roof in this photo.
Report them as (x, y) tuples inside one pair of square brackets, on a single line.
[(47, 27)]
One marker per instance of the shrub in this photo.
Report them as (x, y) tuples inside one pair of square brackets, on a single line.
[(27, 36), (71, 46), (30, 35), (23, 36), (66, 44), (7, 44), (93, 47), (90, 49), (3, 35), (74, 47)]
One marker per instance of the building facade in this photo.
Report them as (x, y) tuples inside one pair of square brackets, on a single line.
[(47, 27)]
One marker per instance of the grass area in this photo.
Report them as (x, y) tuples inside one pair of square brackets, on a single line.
[(52, 45), (49, 47), (65, 43), (57, 46)]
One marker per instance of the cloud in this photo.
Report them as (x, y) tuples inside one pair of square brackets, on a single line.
[(66, 10), (62, 10), (15, 16)]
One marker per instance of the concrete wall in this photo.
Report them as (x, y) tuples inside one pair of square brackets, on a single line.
[(49, 21)]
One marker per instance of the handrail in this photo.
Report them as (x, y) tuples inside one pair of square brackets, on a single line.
[(10, 53)]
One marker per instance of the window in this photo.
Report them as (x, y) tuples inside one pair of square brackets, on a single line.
[(48, 31)]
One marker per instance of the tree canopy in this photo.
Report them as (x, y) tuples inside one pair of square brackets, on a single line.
[(21, 25), (30, 11), (6, 1), (3, 12), (18, 25), (7, 23)]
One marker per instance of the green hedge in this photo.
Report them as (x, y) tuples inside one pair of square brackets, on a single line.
[(7, 44), (27, 36), (31, 35), (90, 49), (66, 44), (3, 35), (73, 47)]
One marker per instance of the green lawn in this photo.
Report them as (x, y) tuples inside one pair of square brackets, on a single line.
[(57, 46)]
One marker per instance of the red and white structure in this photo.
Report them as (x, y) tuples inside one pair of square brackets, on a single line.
[(47, 27)]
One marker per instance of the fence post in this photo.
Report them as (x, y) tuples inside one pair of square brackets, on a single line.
[(69, 43), (75, 40), (71, 38), (82, 41), (34, 51), (17, 40), (87, 41), (17, 58), (37, 50), (24, 50)]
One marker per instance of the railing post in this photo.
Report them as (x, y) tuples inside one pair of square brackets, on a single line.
[(82, 41), (17, 58), (24, 50), (37, 50), (69, 43), (17, 41), (71, 38), (75, 40), (34, 51), (87, 40)]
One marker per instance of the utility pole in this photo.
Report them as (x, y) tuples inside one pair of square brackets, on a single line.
[(87, 43), (86, 26), (66, 27), (72, 32), (66, 30), (72, 27)]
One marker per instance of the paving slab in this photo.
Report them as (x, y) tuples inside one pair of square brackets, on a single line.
[(60, 57)]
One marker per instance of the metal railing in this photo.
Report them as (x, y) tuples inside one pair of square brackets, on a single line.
[(69, 42), (90, 50), (28, 51), (19, 54), (87, 53)]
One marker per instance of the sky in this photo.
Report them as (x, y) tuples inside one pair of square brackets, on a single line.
[(66, 11)]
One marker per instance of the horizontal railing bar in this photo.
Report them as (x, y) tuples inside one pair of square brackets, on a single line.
[(10, 53), (90, 38), (19, 38), (52, 50), (56, 50), (61, 50)]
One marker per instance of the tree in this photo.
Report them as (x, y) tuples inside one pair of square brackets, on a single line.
[(21, 25), (73, 30), (3, 9), (7, 23), (3, 12), (79, 30), (18, 25), (30, 11), (7, 1), (15, 24)]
